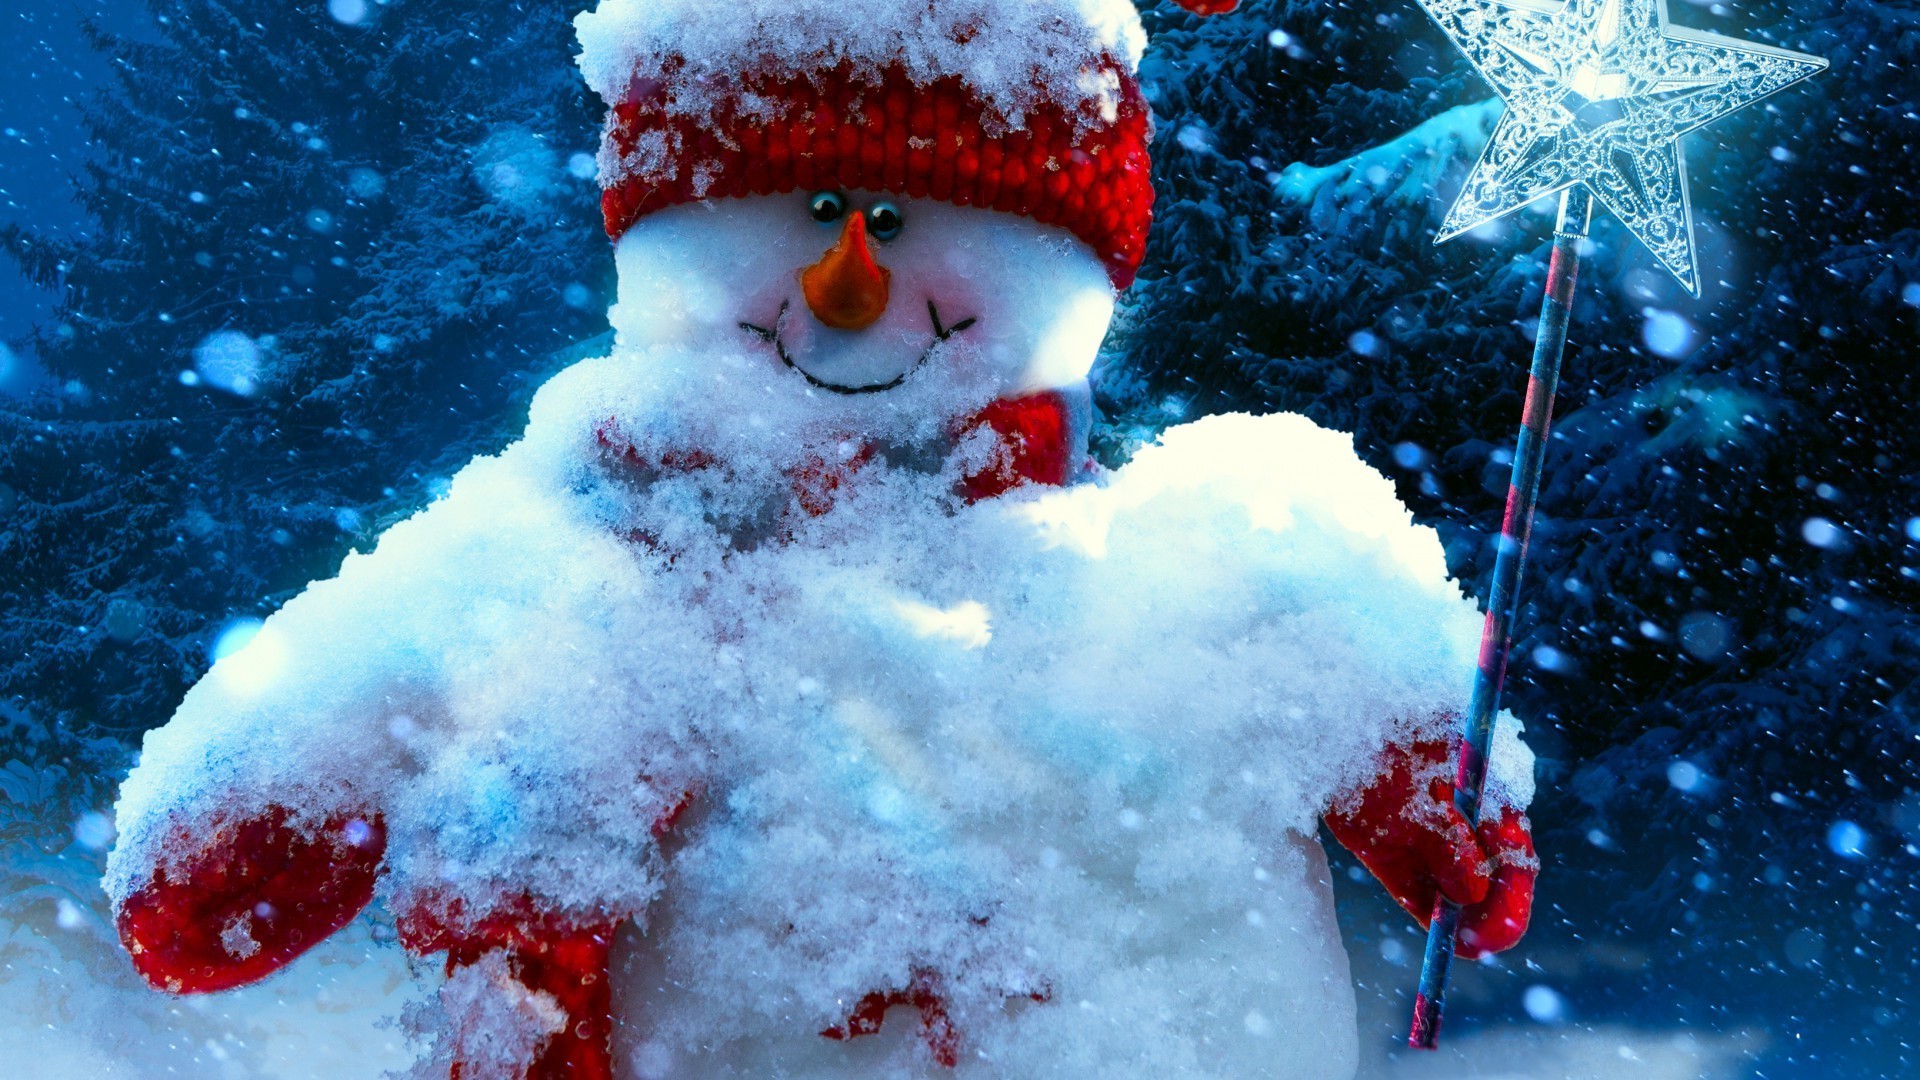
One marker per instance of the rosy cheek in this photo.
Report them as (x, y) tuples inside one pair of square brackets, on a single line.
[(955, 284), (762, 298)]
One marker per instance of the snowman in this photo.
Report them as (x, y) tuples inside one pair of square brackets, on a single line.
[(797, 697)]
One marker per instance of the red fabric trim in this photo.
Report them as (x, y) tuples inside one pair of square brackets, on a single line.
[(922, 993), (836, 129), (1033, 433)]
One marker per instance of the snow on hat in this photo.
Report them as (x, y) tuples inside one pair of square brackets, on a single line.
[(1023, 106)]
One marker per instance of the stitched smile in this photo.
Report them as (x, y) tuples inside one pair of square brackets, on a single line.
[(772, 336)]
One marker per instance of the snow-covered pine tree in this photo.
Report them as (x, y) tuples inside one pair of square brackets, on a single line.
[(495, 260), (1723, 571), (327, 260)]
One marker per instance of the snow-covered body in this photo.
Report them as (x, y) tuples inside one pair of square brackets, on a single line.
[(1069, 742), (801, 637)]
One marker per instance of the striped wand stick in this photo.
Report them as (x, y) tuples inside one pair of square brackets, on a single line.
[(1496, 638), (1597, 95)]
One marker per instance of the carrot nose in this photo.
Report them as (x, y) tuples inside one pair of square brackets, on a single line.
[(846, 289)]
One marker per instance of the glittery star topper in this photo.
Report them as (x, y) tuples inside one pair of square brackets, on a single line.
[(1599, 92)]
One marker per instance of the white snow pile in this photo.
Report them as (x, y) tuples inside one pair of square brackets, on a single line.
[(1070, 744), (1013, 53)]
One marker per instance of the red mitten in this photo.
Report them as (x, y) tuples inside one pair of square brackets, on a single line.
[(560, 955), (563, 955), (255, 896), (1405, 828)]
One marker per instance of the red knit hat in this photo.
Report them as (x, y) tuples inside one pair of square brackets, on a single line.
[(1071, 152)]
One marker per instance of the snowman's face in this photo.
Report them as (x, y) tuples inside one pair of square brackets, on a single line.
[(856, 292)]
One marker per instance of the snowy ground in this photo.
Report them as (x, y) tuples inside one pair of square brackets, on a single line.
[(1572, 1054), (71, 1007)]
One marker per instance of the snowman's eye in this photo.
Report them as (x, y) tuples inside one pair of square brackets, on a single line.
[(884, 221), (827, 206)]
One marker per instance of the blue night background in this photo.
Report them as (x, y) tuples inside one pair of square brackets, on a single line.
[(275, 269)]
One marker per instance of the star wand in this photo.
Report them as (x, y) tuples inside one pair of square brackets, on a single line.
[(1597, 94)]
